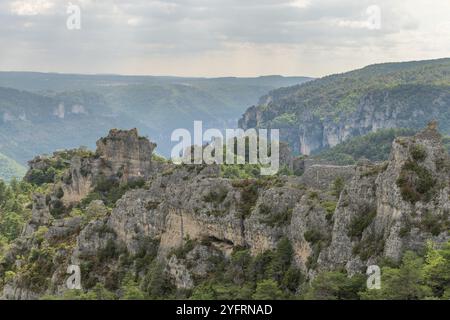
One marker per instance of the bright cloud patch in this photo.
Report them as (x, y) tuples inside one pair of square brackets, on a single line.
[(300, 3), (30, 7)]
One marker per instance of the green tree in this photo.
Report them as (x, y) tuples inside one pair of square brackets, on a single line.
[(240, 261), (98, 292), (292, 279), (282, 259), (404, 283), (268, 290), (437, 269), (334, 286), (131, 290), (338, 186), (204, 291), (156, 283)]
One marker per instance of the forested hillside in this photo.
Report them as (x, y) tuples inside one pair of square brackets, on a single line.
[(374, 146), (327, 111)]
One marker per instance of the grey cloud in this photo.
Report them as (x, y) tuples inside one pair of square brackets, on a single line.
[(113, 29)]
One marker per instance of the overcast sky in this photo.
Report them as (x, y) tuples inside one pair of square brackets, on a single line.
[(220, 37)]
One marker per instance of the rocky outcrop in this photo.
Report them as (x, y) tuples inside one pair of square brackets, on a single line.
[(123, 156), (78, 181), (390, 208), (126, 154), (40, 215), (190, 216)]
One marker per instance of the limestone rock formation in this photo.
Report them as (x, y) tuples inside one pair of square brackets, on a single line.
[(400, 205), (126, 154), (123, 156), (185, 215)]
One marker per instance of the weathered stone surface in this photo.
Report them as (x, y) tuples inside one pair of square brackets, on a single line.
[(369, 221), (12, 291), (78, 181), (180, 273), (126, 153), (63, 228), (322, 176), (397, 224), (123, 156), (40, 215)]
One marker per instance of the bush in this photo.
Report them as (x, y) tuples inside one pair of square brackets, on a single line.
[(240, 171), (131, 290), (416, 183), (216, 196), (359, 223), (57, 208), (338, 186), (330, 208), (375, 146), (249, 196), (311, 262), (433, 223), (418, 152), (369, 247), (264, 209), (313, 236), (110, 190), (267, 290), (183, 250), (285, 171), (335, 286), (317, 241), (404, 283), (279, 219), (39, 177), (110, 251), (156, 283)]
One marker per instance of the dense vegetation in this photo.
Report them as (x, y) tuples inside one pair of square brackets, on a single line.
[(373, 146), (382, 95), (15, 200), (336, 95), (272, 275)]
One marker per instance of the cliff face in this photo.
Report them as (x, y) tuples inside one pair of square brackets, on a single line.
[(328, 111), (406, 201), (383, 210), (374, 111)]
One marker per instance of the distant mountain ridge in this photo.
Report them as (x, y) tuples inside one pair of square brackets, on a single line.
[(39, 81), (324, 112), (40, 112)]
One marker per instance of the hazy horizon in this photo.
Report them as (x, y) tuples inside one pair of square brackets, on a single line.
[(206, 77)]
